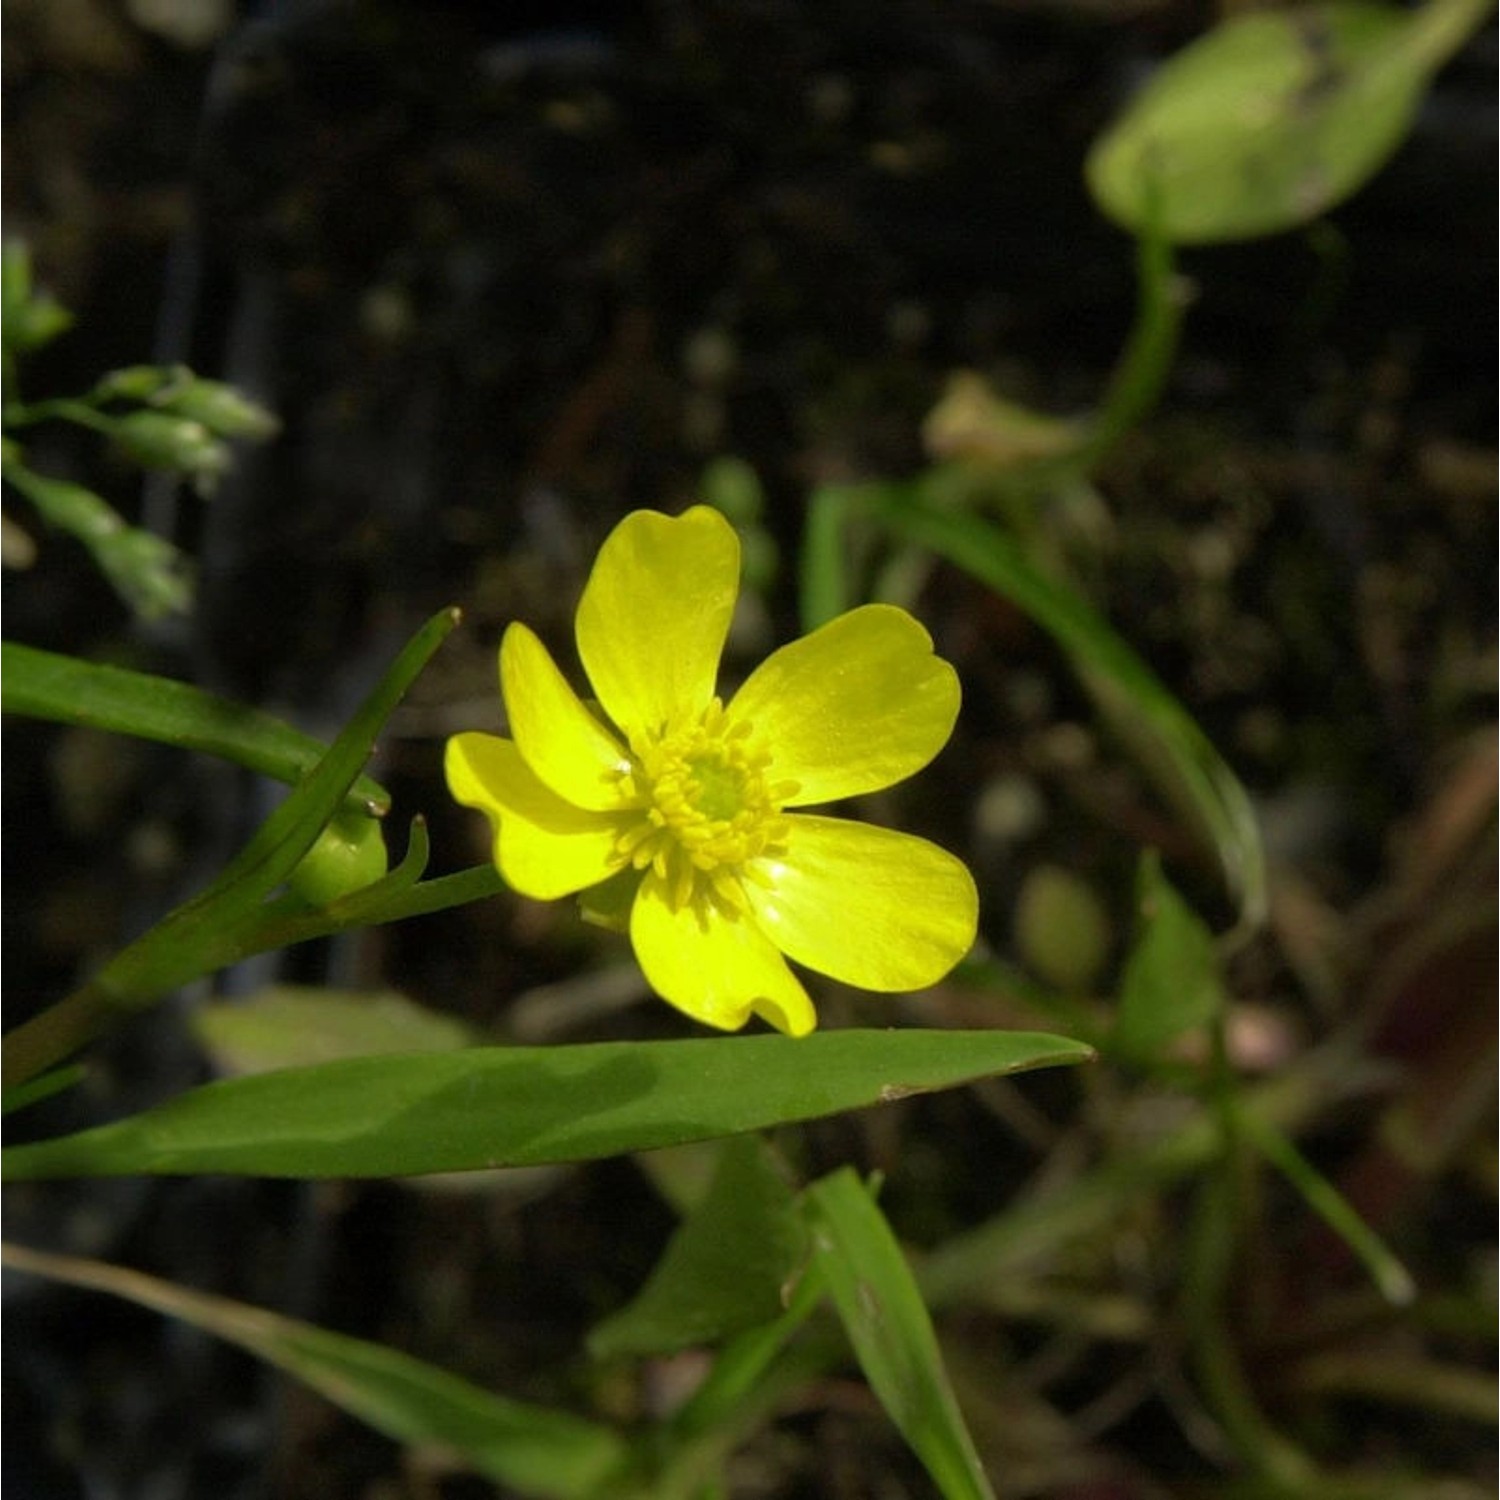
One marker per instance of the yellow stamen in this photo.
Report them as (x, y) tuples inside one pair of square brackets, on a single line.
[(707, 808)]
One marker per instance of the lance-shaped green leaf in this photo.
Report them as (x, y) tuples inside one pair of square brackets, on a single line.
[(537, 1450), (865, 1272), (726, 1267), (527, 1106), (45, 685), (1274, 117)]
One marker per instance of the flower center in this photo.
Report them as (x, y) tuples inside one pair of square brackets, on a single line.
[(708, 807)]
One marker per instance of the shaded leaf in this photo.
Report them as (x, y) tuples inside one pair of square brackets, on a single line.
[(540, 1451), (1171, 982), (1184, 762), (725, 1268)]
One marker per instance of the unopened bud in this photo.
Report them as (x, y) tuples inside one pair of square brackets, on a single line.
[(160, 440), (220, 408)]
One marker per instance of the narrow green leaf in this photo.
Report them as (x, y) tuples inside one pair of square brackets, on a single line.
[(45, 685), (887, 1322), (1171, 982), (1389, 1275), (1181, 757), (526, 1106), (539, 1451), (1273, 117), (44, 1086), (725, 1268)]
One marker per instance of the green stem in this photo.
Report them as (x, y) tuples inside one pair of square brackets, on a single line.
[(824, 586), (1212, 1255), (63, 408), (58, 1032), (1146, 361)]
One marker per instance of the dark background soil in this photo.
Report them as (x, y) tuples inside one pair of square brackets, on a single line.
[(506, 272)]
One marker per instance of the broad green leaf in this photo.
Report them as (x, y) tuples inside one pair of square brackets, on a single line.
[(45, 685), (536, 1450), (1183, 760), (725, 1268), (877, 1299), (527, 1106), (1274, 117), (1171, 982), (287, 1025)]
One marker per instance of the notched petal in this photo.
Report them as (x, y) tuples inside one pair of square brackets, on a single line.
[(715, 968), (654, 615), (859, 704)]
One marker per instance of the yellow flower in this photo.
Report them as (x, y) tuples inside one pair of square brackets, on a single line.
[(687, 800)]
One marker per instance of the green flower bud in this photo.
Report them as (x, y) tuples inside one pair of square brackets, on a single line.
[(135, 382), (220, 408), (31, 318), (160, 440), (347, 856)]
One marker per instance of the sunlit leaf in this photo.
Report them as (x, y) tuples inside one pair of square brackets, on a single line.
[(228, 919), (1273, 117), (527, 1106)]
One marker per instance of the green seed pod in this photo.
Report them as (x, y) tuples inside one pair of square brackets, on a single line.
[(347, 856)]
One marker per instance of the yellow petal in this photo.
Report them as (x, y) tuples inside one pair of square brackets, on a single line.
[(715, 968), (654, 614), (869, 906), (544, 847), (857, 705), (562, 742)]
